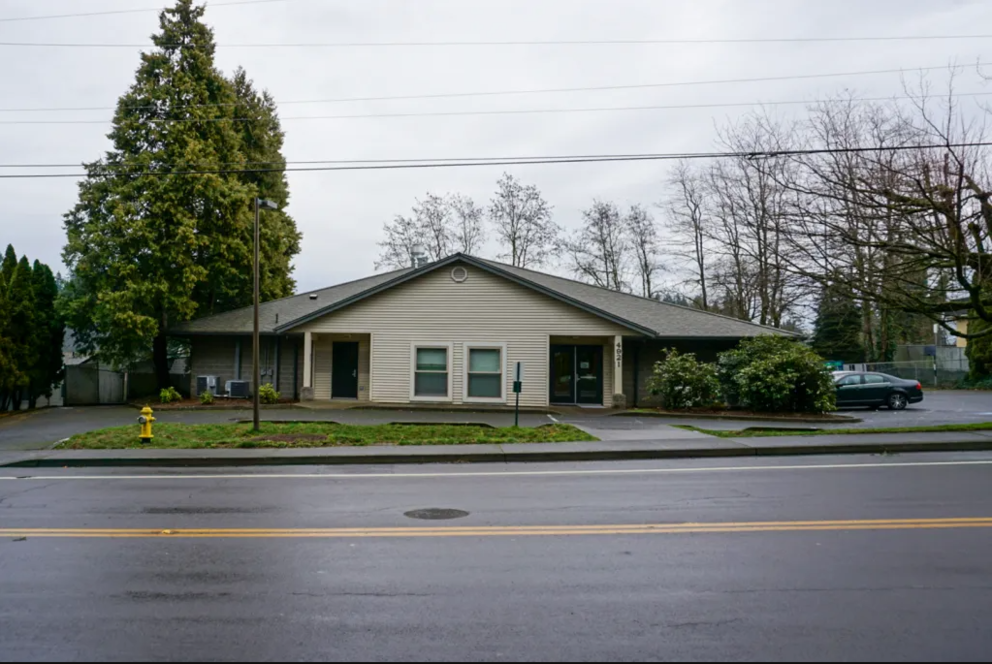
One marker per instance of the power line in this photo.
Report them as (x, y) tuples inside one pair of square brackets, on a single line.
[(452, 95), (532, 111), (461, 44), (348, 161), (520, 161), (110, 12)]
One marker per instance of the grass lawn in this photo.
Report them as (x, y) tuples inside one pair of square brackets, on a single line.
[(318, 434), (758, 432)]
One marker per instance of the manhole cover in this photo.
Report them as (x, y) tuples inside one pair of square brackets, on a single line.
[(436, 514)]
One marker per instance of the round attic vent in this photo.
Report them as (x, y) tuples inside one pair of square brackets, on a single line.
[(459, 274), (313, 296)]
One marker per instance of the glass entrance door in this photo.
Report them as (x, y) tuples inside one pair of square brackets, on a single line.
[(589, 376), (577, 375), (563, 374)]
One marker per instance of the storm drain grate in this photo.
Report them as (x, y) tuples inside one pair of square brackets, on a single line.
[(435, 514)]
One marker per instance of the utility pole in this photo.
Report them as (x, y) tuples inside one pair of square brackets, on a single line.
[(256, 369)]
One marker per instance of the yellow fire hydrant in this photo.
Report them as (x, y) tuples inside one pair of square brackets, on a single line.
[(145, 421)]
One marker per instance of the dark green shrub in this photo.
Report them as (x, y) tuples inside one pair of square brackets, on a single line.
[(207, 399), (682, 381), (776, 374)]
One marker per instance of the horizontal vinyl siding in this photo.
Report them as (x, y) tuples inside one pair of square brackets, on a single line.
[(212, 356), (323, 350), (483, 309), (286, 368)]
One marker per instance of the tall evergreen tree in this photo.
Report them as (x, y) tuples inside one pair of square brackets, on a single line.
[(21, 327), (46, 371), (8, 264), (10, 377), (148, 248), (837, 330), (261, 141)]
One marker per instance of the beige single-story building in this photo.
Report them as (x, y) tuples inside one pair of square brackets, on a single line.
[(452, 332)]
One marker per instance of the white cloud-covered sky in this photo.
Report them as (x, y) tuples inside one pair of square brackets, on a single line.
[(341, 213)]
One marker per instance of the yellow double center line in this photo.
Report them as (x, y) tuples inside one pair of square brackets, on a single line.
[(504, 531)]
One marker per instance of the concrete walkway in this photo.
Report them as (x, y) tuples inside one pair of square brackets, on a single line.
[(672, 448)]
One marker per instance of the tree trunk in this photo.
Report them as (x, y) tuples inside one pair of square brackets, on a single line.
[(160, 356)]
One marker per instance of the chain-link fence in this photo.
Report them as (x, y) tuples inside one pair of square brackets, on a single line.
[(946, 372)]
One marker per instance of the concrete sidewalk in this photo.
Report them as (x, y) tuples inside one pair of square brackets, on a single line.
[(681, 448)]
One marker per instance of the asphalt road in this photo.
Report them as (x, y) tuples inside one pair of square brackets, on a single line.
[(551, 562)]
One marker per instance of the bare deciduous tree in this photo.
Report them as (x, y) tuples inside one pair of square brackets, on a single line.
[(396, 250), (752, 206), (430, 227), (642, 236), (600, 250), (441, 225), (522, 221), (468, 224), (911, 209), (686, 223)]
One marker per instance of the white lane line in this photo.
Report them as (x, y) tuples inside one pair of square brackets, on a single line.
[(537, 473)]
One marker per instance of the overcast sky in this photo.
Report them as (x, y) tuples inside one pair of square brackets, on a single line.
[(341, 214)]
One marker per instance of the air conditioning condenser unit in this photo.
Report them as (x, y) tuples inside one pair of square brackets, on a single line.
[(239, 389), (207, 384)]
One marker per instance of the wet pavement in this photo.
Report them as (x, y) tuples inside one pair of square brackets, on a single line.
[(575, 587)]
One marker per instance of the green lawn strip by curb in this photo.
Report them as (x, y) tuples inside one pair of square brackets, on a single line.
[(279, 435), (798, 418), (762, 432)]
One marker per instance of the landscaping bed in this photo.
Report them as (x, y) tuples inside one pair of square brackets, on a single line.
[(761, 432), (218, 404), (319, 434)]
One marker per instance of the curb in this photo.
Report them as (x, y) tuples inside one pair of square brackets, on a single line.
[(216, 407), (511, 456), (840, 419)]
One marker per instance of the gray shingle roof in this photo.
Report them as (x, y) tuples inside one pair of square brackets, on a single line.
[(663, 318), (649, 317), (279, 312)]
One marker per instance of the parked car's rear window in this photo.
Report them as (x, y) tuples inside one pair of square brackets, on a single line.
[(875, 379)]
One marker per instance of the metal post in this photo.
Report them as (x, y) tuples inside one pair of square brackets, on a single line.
[(516, 412), (256, 378)]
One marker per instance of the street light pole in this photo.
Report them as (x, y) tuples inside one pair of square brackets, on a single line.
[(256, 369)]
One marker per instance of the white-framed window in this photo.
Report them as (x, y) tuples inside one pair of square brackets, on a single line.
[(430, 372), (485, 372)]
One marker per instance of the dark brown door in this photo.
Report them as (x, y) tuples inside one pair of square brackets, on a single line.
[(344, 370)]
